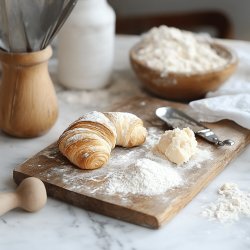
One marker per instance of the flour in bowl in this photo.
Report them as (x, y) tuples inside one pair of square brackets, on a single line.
[(172, 50)]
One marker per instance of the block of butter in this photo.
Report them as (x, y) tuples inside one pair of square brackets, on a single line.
[(177, 145)]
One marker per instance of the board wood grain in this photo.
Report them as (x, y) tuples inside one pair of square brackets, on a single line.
[(70, 184)]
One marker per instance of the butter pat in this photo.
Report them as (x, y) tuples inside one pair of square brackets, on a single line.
[(177, 145)]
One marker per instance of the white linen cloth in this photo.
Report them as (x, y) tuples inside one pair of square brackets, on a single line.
[(232, 100)]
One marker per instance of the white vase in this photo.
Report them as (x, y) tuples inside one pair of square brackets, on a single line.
[(86, 46)]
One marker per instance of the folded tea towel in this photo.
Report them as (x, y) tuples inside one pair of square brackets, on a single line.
[(233, 107), (232, 100)]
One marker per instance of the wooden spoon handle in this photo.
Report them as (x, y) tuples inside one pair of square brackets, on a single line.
[(8, 201)]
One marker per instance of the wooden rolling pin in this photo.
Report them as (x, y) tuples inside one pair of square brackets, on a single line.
[(30, 196)]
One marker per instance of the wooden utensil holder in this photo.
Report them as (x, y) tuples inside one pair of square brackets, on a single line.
[(28, 104)]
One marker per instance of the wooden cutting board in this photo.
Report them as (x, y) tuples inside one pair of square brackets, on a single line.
[(78, 187)]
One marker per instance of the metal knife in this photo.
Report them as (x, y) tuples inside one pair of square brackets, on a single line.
[(176, 118)]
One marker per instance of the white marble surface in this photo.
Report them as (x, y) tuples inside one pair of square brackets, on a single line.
[(62, 226)]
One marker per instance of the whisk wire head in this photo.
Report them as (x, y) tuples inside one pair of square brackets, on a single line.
[(26, 27)]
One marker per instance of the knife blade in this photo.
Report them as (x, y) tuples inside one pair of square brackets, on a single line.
[(178, 119)]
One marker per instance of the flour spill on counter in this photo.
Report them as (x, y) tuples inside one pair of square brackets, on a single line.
[(230, 206), (121, 86)]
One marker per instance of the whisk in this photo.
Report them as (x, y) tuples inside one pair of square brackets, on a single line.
[(28, 105), (31, 25)]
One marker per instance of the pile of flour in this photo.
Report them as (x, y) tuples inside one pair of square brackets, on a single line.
[(172, 50), (145, 177), (231, 204)]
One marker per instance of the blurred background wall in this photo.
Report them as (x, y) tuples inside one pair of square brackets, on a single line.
[(238, 11)]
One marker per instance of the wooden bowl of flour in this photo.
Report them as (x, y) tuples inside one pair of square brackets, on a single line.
[(183, 86)]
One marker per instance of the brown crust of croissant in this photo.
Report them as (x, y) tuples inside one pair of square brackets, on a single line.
[(97, 123), (86, 149), (88, 141)]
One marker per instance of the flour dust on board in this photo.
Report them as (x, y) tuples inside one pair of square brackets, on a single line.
[(133, 171)]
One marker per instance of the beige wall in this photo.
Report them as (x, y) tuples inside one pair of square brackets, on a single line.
[(237, 10)]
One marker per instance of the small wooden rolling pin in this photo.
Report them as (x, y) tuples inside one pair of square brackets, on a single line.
[(30, 196)]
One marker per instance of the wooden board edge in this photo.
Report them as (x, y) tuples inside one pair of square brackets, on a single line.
[(94, 205), (170, 213), (151, 221)]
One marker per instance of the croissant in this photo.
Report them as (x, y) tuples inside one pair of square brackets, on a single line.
[(88, 141)]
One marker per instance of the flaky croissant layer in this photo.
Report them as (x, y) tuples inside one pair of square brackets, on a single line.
[(88, 141)]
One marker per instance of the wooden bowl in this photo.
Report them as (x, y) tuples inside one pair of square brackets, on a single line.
[(182, 86)]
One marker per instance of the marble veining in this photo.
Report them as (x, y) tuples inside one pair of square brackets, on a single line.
[(62, 226)]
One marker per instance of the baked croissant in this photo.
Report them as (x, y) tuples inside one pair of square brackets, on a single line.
[(88, 141)]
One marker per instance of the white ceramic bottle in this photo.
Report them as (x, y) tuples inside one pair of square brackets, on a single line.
[(86, 46)]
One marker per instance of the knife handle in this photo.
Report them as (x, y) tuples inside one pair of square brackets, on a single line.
[(210, 136)]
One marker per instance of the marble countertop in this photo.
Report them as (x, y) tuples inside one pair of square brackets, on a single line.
[(62, 226)]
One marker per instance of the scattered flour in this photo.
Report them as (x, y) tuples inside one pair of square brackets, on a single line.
[(151, 174), (130, 171), (173, 50), (231, 204), (121, 86)]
